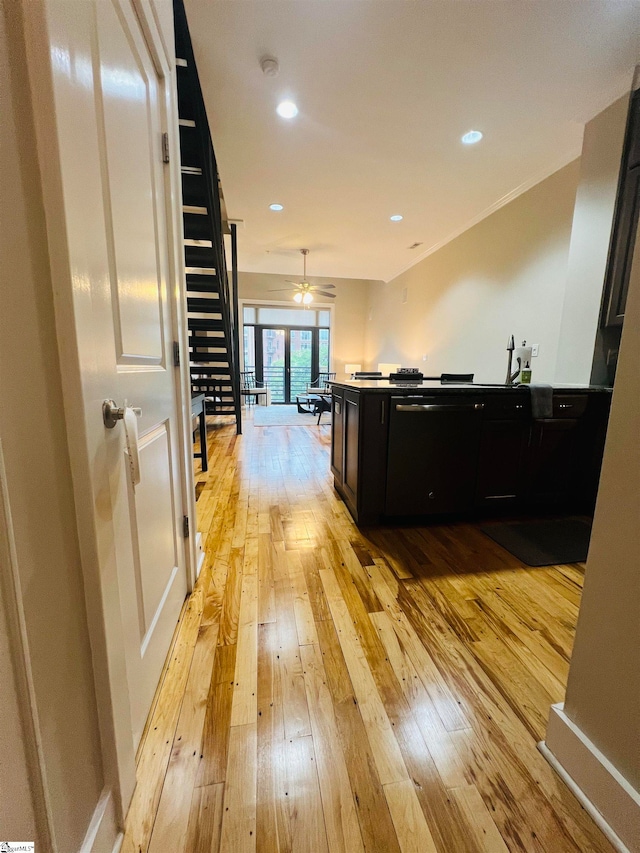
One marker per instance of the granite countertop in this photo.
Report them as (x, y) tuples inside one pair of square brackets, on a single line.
[(436, 387)]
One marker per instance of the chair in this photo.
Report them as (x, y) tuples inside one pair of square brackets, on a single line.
[(321, 382), (457, 378), (314, 397), (250, 387)]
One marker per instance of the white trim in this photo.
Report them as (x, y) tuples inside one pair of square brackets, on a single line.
[(501, 202), (601, 789), (11, 590), (102, 834)]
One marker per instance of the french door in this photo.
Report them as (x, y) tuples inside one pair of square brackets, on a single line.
[(288, 359)]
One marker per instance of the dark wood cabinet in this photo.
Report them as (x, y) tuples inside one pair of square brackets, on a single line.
[(501, 477), (623, 248), (625, 224), (405, 455), (551, 462), (337, 431), (351, 446)]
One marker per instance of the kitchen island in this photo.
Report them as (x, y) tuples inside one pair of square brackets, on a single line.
[(433, 449)]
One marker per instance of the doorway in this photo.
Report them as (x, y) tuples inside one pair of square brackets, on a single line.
[(286, 358)]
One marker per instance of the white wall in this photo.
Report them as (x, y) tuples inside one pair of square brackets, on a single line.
[(350, 306), (38, 477), (504, 275), (590, 235), (603, 690)]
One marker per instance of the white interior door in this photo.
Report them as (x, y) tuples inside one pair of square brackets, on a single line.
[(112, 102), (148, 515)]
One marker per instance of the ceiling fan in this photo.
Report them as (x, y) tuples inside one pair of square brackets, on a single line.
[(303, 291)]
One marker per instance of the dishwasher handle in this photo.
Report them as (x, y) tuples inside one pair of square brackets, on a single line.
[(438, 407)]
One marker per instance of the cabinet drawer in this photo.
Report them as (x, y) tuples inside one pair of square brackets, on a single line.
[(569, 405), (515, 405)]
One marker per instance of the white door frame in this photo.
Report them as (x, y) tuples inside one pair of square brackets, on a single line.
[(100, 578)]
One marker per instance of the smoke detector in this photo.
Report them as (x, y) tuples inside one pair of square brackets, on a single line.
[(269, 65)]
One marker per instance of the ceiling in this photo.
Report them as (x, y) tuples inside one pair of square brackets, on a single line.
[(385, 91)]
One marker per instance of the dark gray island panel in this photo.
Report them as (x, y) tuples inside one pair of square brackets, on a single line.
[(429, 449)]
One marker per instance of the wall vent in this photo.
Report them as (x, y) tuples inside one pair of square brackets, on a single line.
[(414, 245)]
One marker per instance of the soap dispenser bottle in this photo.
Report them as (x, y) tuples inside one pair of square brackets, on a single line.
[(525, 374)]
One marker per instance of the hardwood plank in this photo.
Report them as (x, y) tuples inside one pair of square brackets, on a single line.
[(244, 708), (484, 830), (238, 833), (411, 827), (302, 796), (205, 820), (386, 753), (341, 820), (215, 734), (439, 743), (172, 816), (376, 826), (231, 601), (302, 610), (155, 755)]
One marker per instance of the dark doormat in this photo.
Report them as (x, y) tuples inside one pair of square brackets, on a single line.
[(543, 543)]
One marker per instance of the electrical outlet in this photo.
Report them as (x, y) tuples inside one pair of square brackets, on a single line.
[(534, 350)]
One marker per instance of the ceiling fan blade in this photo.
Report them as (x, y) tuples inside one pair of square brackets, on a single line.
[(297, 283), (280, 290), (324, 293), (324, 286)]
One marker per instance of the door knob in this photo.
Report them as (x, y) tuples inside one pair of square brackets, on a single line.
[(111, 413)]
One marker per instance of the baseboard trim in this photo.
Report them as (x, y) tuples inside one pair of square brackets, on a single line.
[(602, 791), (103, 834)]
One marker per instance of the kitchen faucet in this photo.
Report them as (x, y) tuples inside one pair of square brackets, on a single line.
[(511, 376)]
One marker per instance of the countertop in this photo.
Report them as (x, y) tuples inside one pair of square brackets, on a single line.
[(436, 387)]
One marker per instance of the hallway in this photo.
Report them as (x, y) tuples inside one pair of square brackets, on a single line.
[(331, 689)]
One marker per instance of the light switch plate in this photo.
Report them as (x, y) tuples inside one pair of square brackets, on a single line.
[(534, 350)]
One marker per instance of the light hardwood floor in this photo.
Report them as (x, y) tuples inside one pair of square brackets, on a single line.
[(331, 689)]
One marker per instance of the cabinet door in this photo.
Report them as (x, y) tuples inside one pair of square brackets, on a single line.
[(351, 429), (500, 474), (624, 244), (337, 436), (552, 461)]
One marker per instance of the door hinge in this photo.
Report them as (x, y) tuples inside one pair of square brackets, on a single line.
[(165, 147), (185, 526), (176, 354)]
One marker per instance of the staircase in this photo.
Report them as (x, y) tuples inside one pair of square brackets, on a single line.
[(212, 309)]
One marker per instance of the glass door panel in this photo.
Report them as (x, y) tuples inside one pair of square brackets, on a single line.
[(249, 337), (323, 351), (300, 362), (273, 362)]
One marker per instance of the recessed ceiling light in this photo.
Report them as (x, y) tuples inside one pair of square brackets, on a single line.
[(396, 217), (287, 109), (276, 207), (471, 137)]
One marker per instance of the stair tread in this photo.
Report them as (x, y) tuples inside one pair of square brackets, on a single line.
[(186, 122), (195, 209), (200, 271), (205, 244)]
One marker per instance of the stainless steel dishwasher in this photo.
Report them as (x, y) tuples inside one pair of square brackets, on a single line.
[(433, 454)]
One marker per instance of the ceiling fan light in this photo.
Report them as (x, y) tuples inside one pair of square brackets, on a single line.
[(307, 298), (297, 297)]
